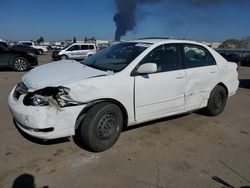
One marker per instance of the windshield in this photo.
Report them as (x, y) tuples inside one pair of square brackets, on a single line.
[(117, 57), (65, 47)]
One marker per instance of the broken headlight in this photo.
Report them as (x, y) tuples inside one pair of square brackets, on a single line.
[(37, 100), (50, 95)]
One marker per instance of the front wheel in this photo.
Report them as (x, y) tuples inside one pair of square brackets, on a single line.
[(20, 64), (217, 101), (101, 126), (64, 57), (40, 52)]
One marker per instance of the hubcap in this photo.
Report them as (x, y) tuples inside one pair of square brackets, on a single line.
[(107, 127), (20, 64), (218, 100)]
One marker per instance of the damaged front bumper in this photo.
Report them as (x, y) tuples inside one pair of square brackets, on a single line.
[(44, 122)]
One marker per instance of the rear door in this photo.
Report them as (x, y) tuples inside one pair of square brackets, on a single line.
[(84, 51), (161, 93), (201, 70)]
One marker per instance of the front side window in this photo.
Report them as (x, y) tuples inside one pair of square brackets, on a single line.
[(116, 57), (166, 57), (197, 56), (27, 43), (74, 47)]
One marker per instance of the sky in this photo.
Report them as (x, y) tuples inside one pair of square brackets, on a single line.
[(59, 20)]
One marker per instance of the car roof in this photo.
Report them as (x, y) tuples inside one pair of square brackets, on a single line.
[(160, 40), (82, 43), (25, 41)]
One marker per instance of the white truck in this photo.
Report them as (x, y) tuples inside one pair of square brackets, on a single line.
[(41, 49)]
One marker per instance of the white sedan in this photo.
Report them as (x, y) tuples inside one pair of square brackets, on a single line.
[(123, 85)]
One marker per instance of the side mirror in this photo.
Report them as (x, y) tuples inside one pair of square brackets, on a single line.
[(147, 68)]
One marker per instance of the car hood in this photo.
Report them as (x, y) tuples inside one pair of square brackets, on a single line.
[(58, 73)]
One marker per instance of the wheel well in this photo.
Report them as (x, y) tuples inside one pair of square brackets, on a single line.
[(64, 55), (224, 86), (91, 104), (18, 56)]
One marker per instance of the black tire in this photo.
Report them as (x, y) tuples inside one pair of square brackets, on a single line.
[(40, 52), (64, 57), (101, 126), (20, 64), (217, 101)]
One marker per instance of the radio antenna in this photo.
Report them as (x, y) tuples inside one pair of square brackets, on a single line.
[(187, 32)]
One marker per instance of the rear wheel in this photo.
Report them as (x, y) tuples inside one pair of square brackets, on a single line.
[(217, 101), (20, 64), (101, 127)]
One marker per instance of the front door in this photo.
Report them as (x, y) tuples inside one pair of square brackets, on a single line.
[(161, 93)]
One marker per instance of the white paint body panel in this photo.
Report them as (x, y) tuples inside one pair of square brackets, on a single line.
[(72, 71), (159, 94), (43, 48), (144, 98)]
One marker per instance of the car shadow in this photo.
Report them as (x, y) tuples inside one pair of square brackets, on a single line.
[(245, 83), (151, 123), (25, 181), (78, 141), (6, 69), (41, 141)]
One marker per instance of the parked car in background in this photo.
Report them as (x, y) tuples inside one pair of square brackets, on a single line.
[(232, 57), (246, 58), (246, 61), (76, 51), (25, 48), (41, 49), (18, 60), (102, 46), (4, 44), (122, 85)]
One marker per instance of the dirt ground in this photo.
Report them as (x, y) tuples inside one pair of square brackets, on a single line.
[(184, 151)]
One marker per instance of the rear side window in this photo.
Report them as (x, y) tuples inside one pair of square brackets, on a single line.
[(87, 47), (197, 56), (27, 43), (91, 47), (84, 47), (167, 58)]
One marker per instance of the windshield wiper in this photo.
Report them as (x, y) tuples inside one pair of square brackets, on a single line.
[(96, 67)]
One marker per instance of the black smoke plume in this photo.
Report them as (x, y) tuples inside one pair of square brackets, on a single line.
[(125, 18), (213, 2)]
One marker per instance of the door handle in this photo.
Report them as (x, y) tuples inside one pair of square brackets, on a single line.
[(180, 76), (213, 71)]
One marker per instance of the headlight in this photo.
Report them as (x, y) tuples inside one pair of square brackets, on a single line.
[(50, 95), (37, 100)]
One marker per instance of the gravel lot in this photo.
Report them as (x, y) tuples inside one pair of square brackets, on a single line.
[(184, 151)]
